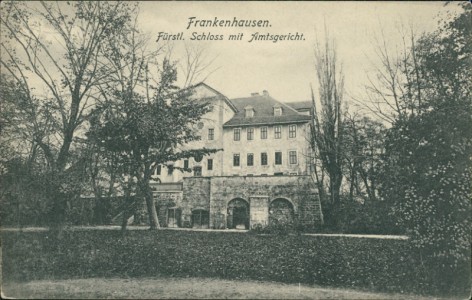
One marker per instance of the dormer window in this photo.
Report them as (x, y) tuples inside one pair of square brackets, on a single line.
[(249, 111), (277, 111)]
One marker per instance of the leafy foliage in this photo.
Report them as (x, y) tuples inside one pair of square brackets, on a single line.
[(427, 172), (154, 128), (99, 75), (56, 86), (149, 128), (354, 217), (373, 264)]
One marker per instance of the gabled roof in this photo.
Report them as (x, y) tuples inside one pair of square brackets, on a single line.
[(264, 112), (300, 105), (227, 101)]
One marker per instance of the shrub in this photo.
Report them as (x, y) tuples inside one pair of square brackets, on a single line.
[(360, 218), (374, 264), (275, 228)]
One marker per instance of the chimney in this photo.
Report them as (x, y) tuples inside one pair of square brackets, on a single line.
[(265, 93), (254, 94)]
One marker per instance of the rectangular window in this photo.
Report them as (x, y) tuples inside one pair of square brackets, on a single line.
[(250, 134), (277, 111), (263, 133), (211, 134), (200, 218), (210, 164), (197, 171), (263, 159), (237, 134), (236, 160), (292, 157), (186, 164), (278, 132), (158, 170), (170, 170), (173, 217), (250, 159), (278, 158), (292, 131)]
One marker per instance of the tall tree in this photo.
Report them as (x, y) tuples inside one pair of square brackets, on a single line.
[(150, 131), (195, 64), (327, 126), (59, 73), (364, 147), (144, 116), (427, 172), (394, 91)]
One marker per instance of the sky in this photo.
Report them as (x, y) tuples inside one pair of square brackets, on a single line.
[(286, 68)]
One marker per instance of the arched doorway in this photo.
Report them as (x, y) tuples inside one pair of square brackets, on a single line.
[(281, 212), (238, 214)]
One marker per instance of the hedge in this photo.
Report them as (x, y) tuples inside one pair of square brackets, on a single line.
[(365, 264)]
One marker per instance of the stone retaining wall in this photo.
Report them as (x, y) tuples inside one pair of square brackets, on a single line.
[(260, 191), (213, 194)]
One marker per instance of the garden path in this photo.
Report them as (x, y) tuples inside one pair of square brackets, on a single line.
[(114, 227), (181, 288)]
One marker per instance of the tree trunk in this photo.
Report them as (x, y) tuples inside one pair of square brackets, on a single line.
[(153, 220), (369, 190), (151, 208), (335, 177), (124, 220), (127, 204), (352, 183)]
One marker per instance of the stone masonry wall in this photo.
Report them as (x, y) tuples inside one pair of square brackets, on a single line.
[(196, 195), (164, 200), (260, 191), (214, 193)]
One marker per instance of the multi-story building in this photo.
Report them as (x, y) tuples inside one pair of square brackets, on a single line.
[(261, 175), (265, 137)]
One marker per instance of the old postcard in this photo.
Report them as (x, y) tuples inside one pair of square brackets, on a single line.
[(283, 150)]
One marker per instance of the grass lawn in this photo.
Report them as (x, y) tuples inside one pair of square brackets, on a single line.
[(180, 288)]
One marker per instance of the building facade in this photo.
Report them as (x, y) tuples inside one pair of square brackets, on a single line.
[(260, 176)]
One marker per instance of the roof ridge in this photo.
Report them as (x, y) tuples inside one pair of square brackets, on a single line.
[(281, 103), (289, 107), (301, 101), (226, 99)]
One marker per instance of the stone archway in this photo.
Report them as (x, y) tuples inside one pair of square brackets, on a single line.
[(281, 212), (238, 214)]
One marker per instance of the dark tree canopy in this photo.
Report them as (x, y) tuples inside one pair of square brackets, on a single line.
[(148, 131), (427, 173)]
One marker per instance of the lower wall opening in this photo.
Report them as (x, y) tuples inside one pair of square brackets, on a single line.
[(200, 218), (238, 214), (281, 212)]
